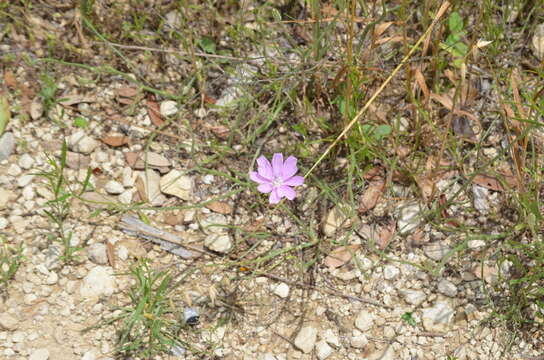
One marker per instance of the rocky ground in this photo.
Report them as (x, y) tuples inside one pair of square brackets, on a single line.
[(309, 279)]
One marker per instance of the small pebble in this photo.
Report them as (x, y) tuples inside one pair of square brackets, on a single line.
[(7, 145), (323, 350), (39, 354), (306, 338), (169, 108), (26, 162), (282, 290), (24, 180), (364, 320), (447, 288), (114, 187), (390, 272)]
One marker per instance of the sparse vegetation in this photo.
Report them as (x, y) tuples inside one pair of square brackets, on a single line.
[(386, 104)]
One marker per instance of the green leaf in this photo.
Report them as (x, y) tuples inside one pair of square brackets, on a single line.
[(207, 44), (408, 318), (81, 122), (4, 113), (382, 131), (455, 23)]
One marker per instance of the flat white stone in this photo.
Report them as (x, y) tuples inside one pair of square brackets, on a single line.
[(39, 354), (24, 180), (475, 244), (538, 41), (7, 145), (113, 187), (282, 290), (82, 143), (5, 196), (52, 278), (18, 336), (14, 170), (358, 340), (331, 337), (177, 184), (390, 272), (151, 180), (26, 161), (221, 243), (334, 220), (98, 282), (438, 318), (413, 297), (169, 107), (323, 350), (436, 251), (447, 288), (409, 218), (305, 339), (97, 253), (364, 320)]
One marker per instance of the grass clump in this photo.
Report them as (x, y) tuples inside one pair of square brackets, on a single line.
[(11, 258), (150, 324), (58, 209)]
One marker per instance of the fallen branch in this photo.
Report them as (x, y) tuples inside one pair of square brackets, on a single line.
[(168, 241)]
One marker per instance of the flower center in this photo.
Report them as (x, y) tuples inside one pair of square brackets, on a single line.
[(277, 182)]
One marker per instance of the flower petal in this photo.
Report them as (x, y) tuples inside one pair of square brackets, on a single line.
[(265, 188), (289, 167), (258, 178), (294, 181), (286, 191), (274, 197), (277, 164), (264, 168)]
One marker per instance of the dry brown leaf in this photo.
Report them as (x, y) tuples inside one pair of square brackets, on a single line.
[(154, 111), (110, 252), (386, 234), (340, 256), (380, 28), (115, 140), (420, 79), (403, 151), (131, 157), (509, 178), (220, 131), (451, 76), (515, 80), (426, 186), (417, 237), (447, 102), (140, 186), (9, 80), (375, 173), (125, 101), (209, 99), (371, 196), (138, 161), (378, 111), (398, 38), (126, 92), (442, 201), (488, 182), (172, 219), (432, 164), (443, 99), (219, 207)]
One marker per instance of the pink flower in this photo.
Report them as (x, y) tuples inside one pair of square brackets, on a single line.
[(278, 178)]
